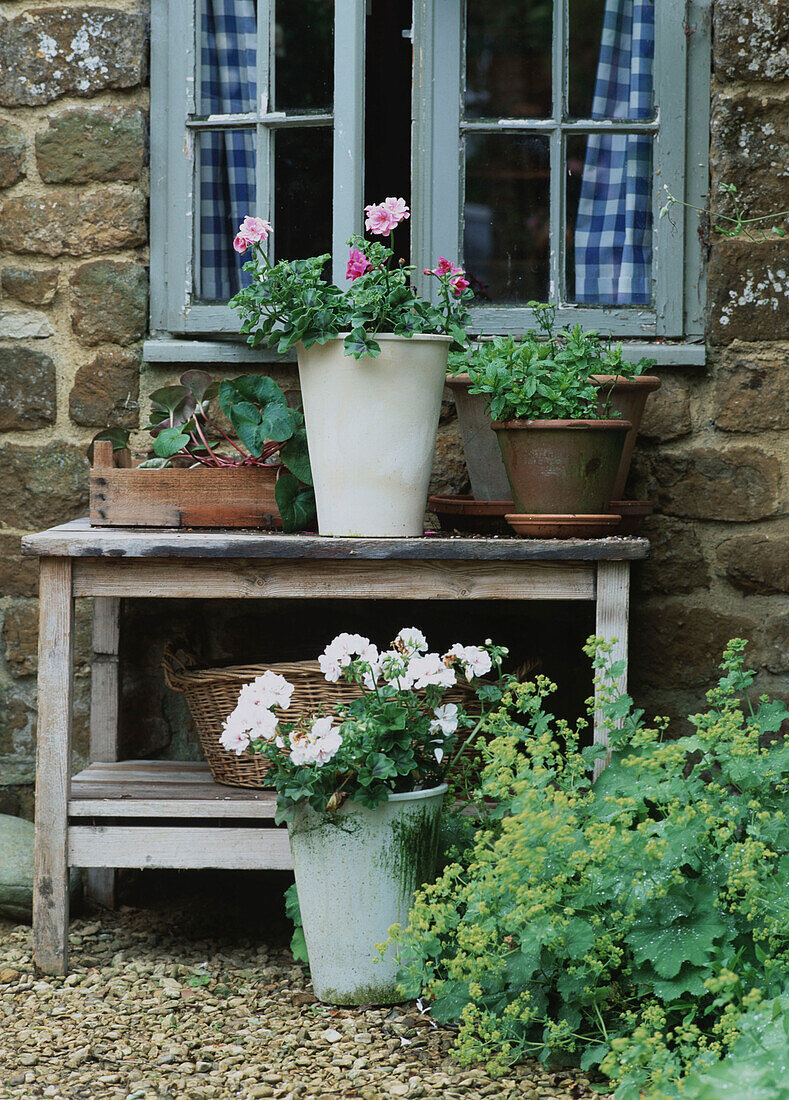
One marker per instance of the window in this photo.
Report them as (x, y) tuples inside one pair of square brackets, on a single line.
[(543, 132)]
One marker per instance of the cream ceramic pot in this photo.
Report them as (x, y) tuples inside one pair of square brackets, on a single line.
[(371, 431)]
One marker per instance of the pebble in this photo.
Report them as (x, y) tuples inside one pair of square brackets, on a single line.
[(120, 1026)]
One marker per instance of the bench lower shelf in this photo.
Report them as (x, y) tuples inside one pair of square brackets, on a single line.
[(144, 791)]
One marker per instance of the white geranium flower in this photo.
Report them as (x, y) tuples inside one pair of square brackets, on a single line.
[(275, 687), (339, 653), (446, 719), (316, 745), (475, 660), (438, 752), (430, 671), (410, 640), (234, 738)]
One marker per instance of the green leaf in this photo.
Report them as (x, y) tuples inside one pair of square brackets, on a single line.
[(169, 442), (118, 437), (359, 344), (295, 456), (296, 503), (277, 422)]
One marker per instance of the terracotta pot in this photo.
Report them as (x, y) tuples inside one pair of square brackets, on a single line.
[(561, 466), (483, 458), (628, 398)]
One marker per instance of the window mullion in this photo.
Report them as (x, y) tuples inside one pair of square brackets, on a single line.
[(559, 99), (348, 157), (668, 260), (264, 132)]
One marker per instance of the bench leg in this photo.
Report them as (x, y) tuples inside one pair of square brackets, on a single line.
[(53, 766), (100, 881), (613, 605)]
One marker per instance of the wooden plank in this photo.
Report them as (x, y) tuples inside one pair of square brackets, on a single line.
[(184, 847), (613, 607), (399, 580), (100, 881), (78, 539), (106, 802), (190, 772), (53, 763), (232, 497)]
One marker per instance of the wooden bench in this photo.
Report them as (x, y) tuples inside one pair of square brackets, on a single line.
[(171, 814)]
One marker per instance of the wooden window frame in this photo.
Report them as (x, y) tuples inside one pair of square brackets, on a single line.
[(682, 73)]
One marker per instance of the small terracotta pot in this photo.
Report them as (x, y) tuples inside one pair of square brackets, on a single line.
[(561, 466), (626, 396)]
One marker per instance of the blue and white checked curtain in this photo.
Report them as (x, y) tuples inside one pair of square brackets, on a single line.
[(227, 162), (613, 229)]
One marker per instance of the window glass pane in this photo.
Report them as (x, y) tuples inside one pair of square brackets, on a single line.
[(226, 188), (228, 46), (506, 216), (302, 192), (612, 47), (508, 59), (304, 51), (609, 191)]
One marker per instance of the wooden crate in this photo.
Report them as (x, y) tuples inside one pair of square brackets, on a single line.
[(124, 496)]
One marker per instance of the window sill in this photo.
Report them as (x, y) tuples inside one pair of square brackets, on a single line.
[(169, 351)]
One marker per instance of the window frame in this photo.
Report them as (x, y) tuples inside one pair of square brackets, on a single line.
[(680, 161)]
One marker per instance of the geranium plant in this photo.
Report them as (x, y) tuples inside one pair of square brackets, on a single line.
[(547, 374), (400, 734), (291, 302), (268, 432)]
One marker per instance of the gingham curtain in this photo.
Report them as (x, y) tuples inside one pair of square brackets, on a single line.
[(227, 163), (613, 229)]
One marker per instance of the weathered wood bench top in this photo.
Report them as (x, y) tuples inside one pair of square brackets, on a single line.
[(79, 540)]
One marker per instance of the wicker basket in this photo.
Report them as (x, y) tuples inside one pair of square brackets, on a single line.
[(212, 693)]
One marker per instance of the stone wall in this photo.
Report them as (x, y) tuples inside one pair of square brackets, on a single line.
[(715, 452), (73, 301)]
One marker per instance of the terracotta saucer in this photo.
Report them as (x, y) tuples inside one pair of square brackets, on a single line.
[(464, 513), (563, 527)]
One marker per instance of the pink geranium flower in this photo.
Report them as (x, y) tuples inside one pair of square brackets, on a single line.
[(358, 264), (386, 216), (240, 243), (459, 283), (251, 231)]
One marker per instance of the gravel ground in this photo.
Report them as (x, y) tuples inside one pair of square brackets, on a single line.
[(160, 1003)]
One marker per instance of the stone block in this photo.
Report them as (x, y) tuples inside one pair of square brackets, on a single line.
[(12, 153), (748, 290), (80, 146), (106, 391), (42, 486), (738, 484), (79, 51), (74, 224), (750, 149), (27, 389), (16, 870), (679, 646), (667, 411), (775, 645), (33, 286), (20, 637), (756, 563), (752, 388), (449, 463), (109, 302), (751, 40), (21, 324), (18, 575), (676, 562), (17, 727)]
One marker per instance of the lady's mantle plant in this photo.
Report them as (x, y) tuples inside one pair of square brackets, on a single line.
[(268, 432), (546, 375), (291, 302), (398, 735), (641, 924)]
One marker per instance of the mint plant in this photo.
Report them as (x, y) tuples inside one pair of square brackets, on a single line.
[(639, 925), (547, 374)]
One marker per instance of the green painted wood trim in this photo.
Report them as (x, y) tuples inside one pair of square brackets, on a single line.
[(348, 157)]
